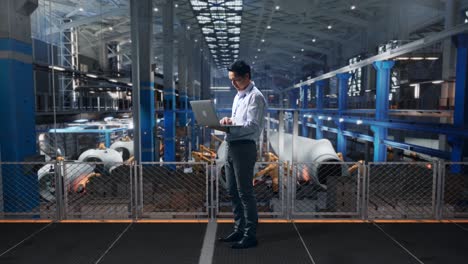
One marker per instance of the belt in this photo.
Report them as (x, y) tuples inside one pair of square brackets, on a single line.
[(241, 142)]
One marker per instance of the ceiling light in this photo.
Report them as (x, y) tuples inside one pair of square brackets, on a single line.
[(402, 58), (263, 40), (196, 40), (359, 122), (176, 5), (417, 58), (277, 7), (81, 9), (268, 27), (111, 28), (329, 27), (438, 82), (188, 27), (314, 40), (341, 120), (256, 56), (155, 9), (329, 118), (130, 84), (91, 75), (113, 80), (253, 62), (302, 50), (432, 58), (294, 57), (259, 50), (353, 7)]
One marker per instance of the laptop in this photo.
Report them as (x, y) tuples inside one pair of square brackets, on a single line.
[(205, 114)]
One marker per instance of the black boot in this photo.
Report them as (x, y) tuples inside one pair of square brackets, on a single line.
[(233, 237), (245, 242)]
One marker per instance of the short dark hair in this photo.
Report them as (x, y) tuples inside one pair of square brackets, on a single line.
[(240, 67)]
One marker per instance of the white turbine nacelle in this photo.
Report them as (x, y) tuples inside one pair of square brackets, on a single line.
[(71, 172), (110, 158), (125, 148)]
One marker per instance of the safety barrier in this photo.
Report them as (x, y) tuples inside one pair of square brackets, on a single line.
[(65, 190), (401, 190), (327, 190)]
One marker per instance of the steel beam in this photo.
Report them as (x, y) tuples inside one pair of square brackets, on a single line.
[(342, 105), (19, 191), (319, 97), (383, 69), (169, 89), (305, 102), (407, 48), (460, 118)]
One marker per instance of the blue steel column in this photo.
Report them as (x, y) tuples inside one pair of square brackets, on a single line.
[(381, 108), (292, 98), (342, 106), (169, 90), (319, 97), (17, 107), (305, 102), (190, 44), (460, 117), (143, 80), (182, 74)]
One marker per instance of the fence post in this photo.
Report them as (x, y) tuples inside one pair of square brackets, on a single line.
[(365, 191), (211, 176), (440, 188), (132, 192), (60, 193), (139, 177), (290, 173)]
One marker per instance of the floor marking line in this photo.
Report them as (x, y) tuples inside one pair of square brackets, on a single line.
[(304, 244), (30, 236), (398, 243), (113, 243)]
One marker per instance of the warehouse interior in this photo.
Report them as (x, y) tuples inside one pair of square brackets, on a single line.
[(363, 144)]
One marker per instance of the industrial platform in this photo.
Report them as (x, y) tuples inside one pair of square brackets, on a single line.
[(278, 243)]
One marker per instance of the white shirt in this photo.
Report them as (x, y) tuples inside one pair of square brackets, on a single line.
[(248, 110)]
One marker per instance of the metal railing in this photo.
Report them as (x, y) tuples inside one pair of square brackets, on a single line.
[(327, 190), (173, 190), (71, 190)]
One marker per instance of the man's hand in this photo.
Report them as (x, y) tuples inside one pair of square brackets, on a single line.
[(225, 121)]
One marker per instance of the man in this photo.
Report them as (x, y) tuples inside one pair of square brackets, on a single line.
[(248, 111)]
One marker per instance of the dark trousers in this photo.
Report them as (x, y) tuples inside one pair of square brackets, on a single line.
[(241, 157)]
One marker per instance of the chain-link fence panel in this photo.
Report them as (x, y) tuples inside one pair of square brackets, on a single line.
[(401, 190), (326, 190), (97, 190), (454, 190), (269, 183), (173, 190), (28, 190)]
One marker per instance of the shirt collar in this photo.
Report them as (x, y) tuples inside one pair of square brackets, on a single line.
[(246, 90)]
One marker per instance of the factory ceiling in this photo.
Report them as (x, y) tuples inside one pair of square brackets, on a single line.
[(289, 39)]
